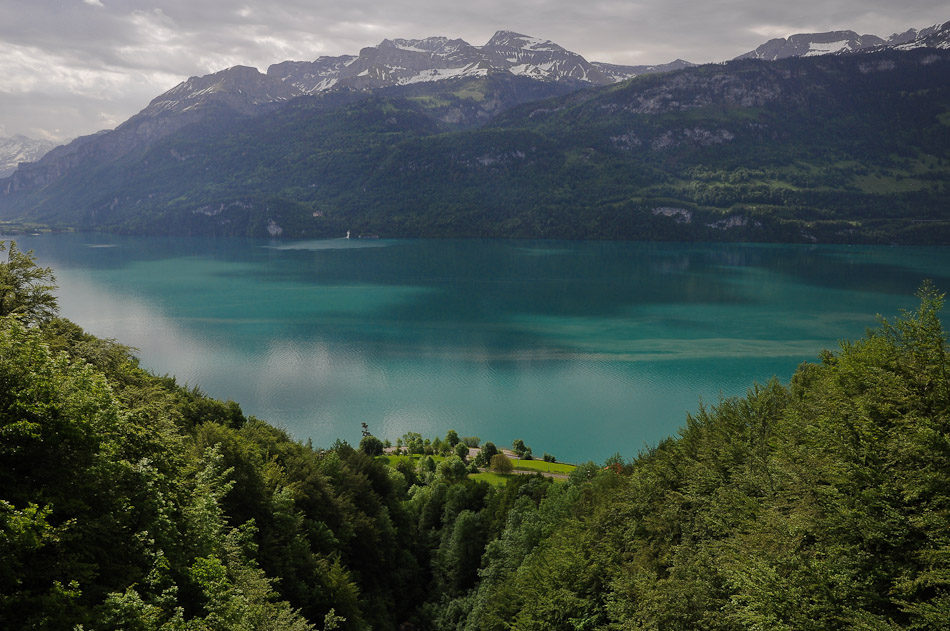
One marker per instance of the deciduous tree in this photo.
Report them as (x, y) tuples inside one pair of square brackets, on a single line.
[(26, 289)]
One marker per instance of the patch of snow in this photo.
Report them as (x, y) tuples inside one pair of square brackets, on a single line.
[(826, 48), (438, 74), (528, 70), (407, 46), (325, 84), (533, 43)]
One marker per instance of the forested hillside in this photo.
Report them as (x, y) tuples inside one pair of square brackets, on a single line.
[(848, 148), (128, 501)]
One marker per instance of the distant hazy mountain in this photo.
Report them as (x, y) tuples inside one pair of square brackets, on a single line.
[(17, 149), (620, 73), (837, 42)]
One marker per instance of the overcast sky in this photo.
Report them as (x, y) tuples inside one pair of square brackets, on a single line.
[(72, 67)]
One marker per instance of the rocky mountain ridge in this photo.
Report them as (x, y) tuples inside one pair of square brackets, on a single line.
[(406, 61), (400, 62), (843, 42)]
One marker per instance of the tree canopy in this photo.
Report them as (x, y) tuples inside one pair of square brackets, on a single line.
[(26, 289)]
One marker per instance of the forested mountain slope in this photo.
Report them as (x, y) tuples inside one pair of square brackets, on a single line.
[(835, 148)]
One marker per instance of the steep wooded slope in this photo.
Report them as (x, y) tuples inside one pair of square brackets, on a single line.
[(834, 148)]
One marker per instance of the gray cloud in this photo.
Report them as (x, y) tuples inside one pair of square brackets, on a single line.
[(71, 67)]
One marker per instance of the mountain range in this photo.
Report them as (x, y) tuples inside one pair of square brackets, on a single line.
[(400, 62), (393, 63), (838, 42), (439, 137)]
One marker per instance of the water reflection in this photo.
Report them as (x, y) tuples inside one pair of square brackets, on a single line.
[(581, 349)]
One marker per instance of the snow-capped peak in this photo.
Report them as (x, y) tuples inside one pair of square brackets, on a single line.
[(843, 42), (18, 149), (392, 62)]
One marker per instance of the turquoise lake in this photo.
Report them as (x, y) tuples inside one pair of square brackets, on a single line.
[(582, 349)]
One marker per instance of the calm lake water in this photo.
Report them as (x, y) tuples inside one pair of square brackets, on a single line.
[(582, 349)]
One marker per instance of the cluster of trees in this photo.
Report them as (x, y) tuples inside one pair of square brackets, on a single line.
[(412, 443), (128, 501)]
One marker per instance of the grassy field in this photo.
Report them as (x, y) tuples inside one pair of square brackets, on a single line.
[(495, 479), (542, 466)]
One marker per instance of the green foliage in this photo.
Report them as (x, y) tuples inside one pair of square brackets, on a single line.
[(117, 510), (452, 438), (453, 469), (521, 450), (500, 463), (545, 466), (412, 442), (485, 454), (26, 290), (470, 441), (371, 446)]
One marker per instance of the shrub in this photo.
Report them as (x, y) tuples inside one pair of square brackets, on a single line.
[(521, 449), (371, 446), (452, 437), (500, 463)]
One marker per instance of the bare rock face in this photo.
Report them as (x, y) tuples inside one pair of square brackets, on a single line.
[(240, 88), (541, 59), (405, 61), (843, 42), (812, 44), (309, 77), (936, 36)]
